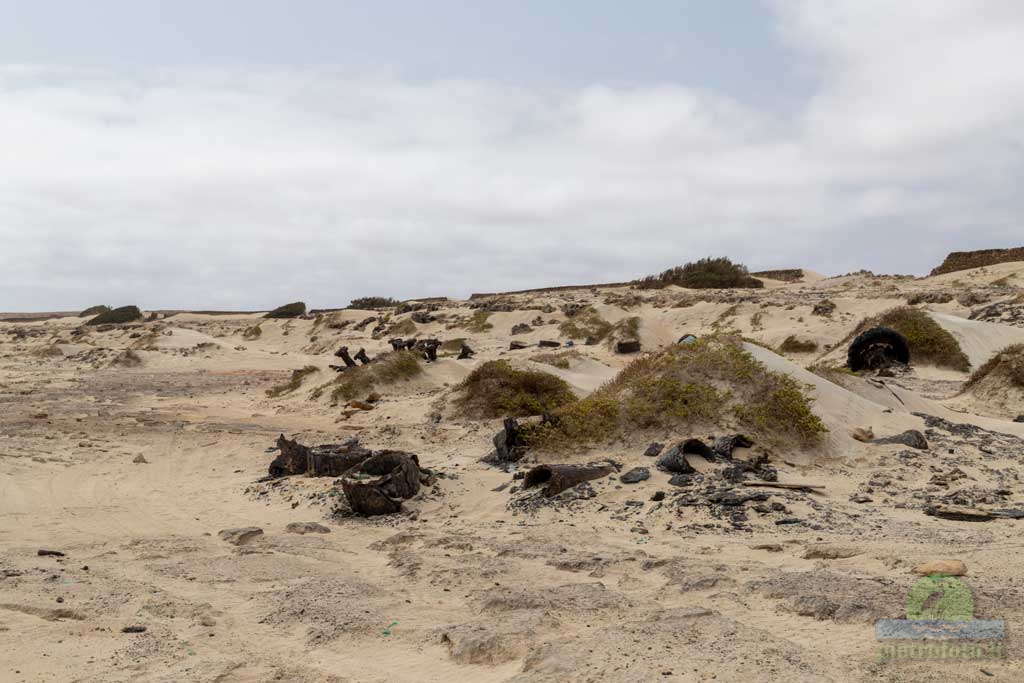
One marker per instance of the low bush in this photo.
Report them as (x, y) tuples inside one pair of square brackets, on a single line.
[(401, 328), (707, 273), (358, 382), (1008, 364), (252, 333), (478, 323), (561, 360), (294, 383), (929, 342), (793, 345), (587, 324), (685, 386), (125, 314), (496, 389), (372, 303), (293, 310)]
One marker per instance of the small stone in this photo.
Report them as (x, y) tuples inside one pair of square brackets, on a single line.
[(911, 437), (306, 528), (1019, 418), (947, 567), (42, 552), (240, 536), (140, 459), (208, 621), (860, 498), (654, 450), (133, 629), (770, 547), (635, 475), (863, 434), (658, 495)]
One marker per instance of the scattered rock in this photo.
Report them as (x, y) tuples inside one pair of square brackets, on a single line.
[(635, 475), (824, 308), (725, 445), (241, 535), (379, 484), (770, 547), (947, 567), (654, 449), (658, 495), (959, 514), (558, 478), (133, 629), (306, 528), (911, 437), (863, 434), (827, 551), (42, 552), (548, 344), (521, 328), (140, 459), (517, 345), (627, 346), (1019, 418)]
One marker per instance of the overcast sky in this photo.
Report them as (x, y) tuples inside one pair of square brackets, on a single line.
[(241, 154)]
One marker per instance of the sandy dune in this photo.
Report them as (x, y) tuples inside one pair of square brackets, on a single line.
[(131, 471)]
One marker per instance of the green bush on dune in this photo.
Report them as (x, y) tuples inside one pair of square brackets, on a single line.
[(496, 389), (707, 273), (125, 314), (929, 342), (93, 311), (293, 310)]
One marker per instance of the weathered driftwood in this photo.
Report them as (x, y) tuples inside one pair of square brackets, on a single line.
[(549, 344), (508, 443), (362, 357), (293, 458), (778, 485), (558, 478), (959, 514), (516, 345), (466, 352), (379, 484), (397, 343)]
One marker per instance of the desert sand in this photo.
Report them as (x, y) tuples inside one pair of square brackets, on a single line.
[(130, 464)]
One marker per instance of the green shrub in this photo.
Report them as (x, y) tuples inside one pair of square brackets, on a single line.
[(929, 342), (93, 311), (684, 386), (357, 382), (707, 273), (496, 389), (793, 345), (252, 333), (1008, 363), (478, 323), (587, 324), (293, 310), (294, 383), (371, 303), (125, 314)]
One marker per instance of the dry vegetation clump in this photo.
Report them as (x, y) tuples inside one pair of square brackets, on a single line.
[(929, 298), (252, 333), (685, 386), (478, 323), (929, 342), (833, 373), (1008, 364), (358, 382), (124, 314), (793, 345), (496, 389), (147, 342), (372, 303), (561, 359), (401, 328), (587, 324), (707, 273), (294, 383), (93, 311), (292, 310), (48, 351)]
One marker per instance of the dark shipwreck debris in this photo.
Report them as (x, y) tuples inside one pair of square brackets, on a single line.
[(558, 478)]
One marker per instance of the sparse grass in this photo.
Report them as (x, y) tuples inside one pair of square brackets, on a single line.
[(793, 345), (401, 328), (294, 383), (833, 373), (292, 310), (93, 311), (929, 342), (147, 342), (561, 359), (371, 303), (358, 382), (496, 389), (1008, 363), (125, 314), (685, 386), (478, 323), (707, 273), (588, 323), (48, 351), (252, 333)]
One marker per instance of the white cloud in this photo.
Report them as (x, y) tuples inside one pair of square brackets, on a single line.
[(246, 188)]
